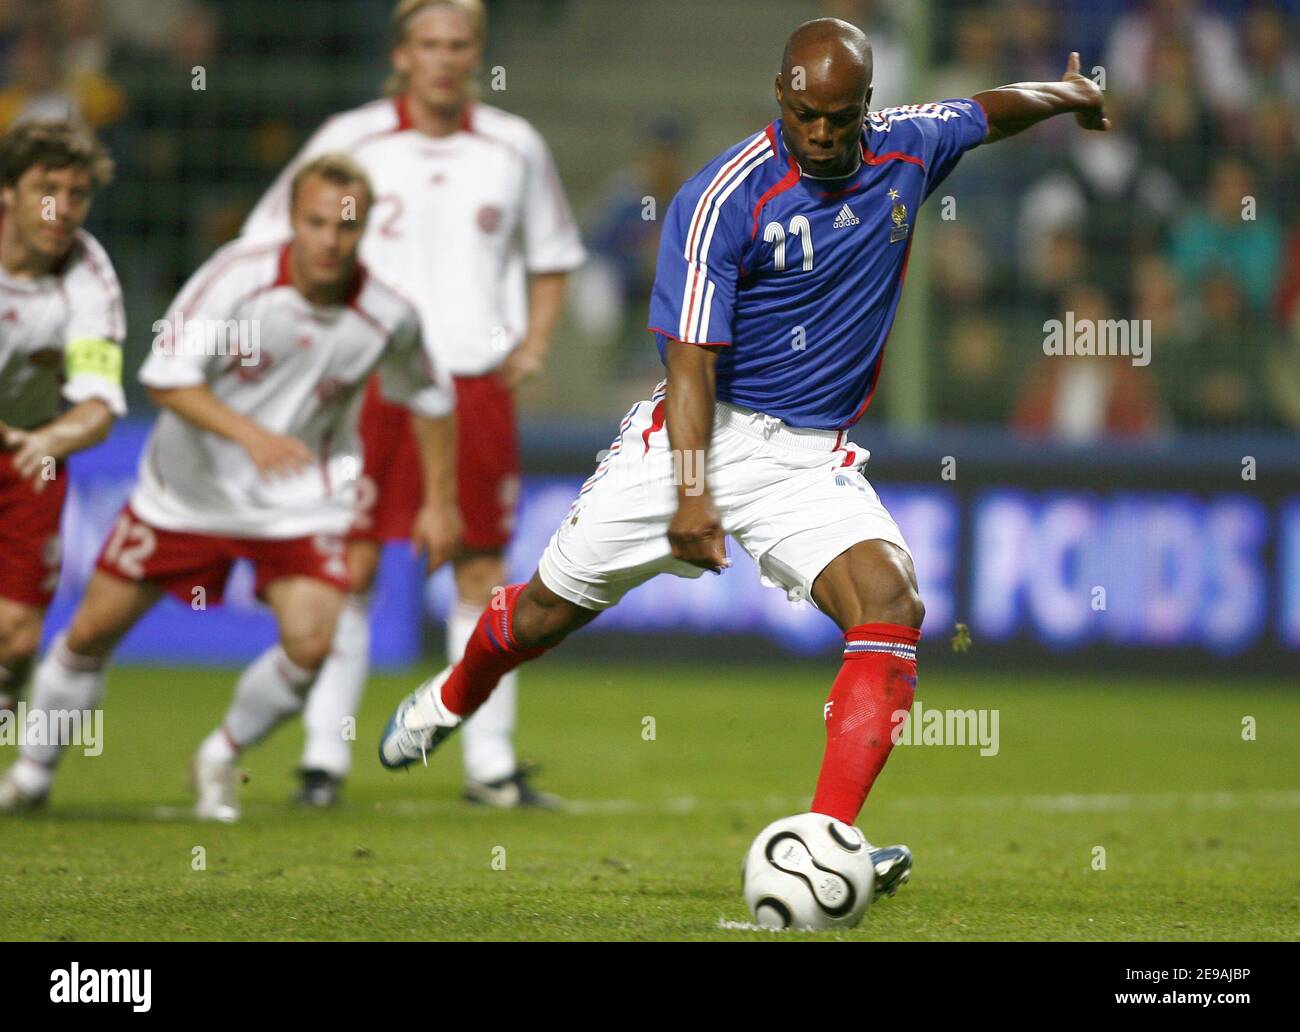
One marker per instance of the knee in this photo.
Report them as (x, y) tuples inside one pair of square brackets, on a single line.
[(541, 627), (362, 567), (541, 622), (20, 637), (906, 608), (307, 647), (894, 601), (88, 637)]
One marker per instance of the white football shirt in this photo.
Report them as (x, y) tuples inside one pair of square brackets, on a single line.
[(43, 319), (240, 327), (457, 223)]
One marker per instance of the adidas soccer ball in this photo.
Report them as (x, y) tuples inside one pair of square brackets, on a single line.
[(808, 872)]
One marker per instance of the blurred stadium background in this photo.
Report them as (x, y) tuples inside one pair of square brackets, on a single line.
[(1024, 483)]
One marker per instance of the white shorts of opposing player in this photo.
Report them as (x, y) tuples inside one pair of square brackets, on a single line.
[(784, 494)]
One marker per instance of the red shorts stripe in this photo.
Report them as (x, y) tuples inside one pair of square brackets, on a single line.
[(657, 416)]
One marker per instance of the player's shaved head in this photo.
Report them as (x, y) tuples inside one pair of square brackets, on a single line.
[(823, 90), (825, 47)]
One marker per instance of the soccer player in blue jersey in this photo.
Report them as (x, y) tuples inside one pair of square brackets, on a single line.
[(780, 270)]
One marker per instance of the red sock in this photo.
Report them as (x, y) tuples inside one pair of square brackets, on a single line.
[(877, 681), (490, 654)]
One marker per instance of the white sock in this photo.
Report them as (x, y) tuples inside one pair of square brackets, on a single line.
[(270, 690), (33, 778), (218, 748), (486, 737), (63, 681), (329, 719)]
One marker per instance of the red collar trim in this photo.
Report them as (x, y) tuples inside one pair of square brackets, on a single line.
[(831, 195), (283, 273), (784, 183), (402, 106), (284, 277)]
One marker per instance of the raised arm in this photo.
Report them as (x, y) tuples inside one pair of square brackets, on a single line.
[(695, 533), (1013, 109)]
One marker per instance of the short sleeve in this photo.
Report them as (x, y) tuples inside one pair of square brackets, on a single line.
[(95, 331), (408, 376), (180, 352), (700, 249), (947, 130), (550, 236)]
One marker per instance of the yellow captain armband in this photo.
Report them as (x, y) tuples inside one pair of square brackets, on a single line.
[(87, 356)]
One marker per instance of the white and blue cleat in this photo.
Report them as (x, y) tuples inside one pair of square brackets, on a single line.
[(893, 866), (417, 726)]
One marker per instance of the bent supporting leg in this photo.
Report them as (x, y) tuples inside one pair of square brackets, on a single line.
[(870, 591)]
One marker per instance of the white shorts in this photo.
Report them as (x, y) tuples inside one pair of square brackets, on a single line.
[(793, 499)]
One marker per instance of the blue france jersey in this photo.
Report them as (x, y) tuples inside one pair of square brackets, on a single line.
[(801, 277)]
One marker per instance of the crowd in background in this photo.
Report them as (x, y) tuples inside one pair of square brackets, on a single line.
[(1187, 214)]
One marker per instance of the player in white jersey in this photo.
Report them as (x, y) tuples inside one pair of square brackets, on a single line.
[(260, 368), (469, 218), (61, 331)]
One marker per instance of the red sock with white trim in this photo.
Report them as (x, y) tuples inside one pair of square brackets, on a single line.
[(490, 654), (870, 698)]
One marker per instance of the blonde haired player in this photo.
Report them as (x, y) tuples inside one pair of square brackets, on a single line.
[(260, 368), (61, 332), (471, 222)]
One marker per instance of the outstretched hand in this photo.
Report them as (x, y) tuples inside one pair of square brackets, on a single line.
[(1091, 112)]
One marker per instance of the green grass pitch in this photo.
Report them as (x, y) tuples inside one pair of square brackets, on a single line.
[(1201, 829)]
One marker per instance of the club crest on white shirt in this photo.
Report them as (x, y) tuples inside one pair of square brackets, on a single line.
[(489, 218)]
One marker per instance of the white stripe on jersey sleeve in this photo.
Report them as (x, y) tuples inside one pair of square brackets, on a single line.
[(703, 335), (717, 208), (706, 198), (694, 320)]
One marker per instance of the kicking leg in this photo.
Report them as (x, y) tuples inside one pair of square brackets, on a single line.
[(270, 690), (604, 547), (330, 714), (71, 677), (492, 773), (870, 592), (520, 623)]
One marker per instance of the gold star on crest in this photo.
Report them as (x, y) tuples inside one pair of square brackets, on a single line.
[(893, 194)]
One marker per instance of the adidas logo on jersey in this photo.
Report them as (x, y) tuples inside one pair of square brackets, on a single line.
[(845, 218)]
